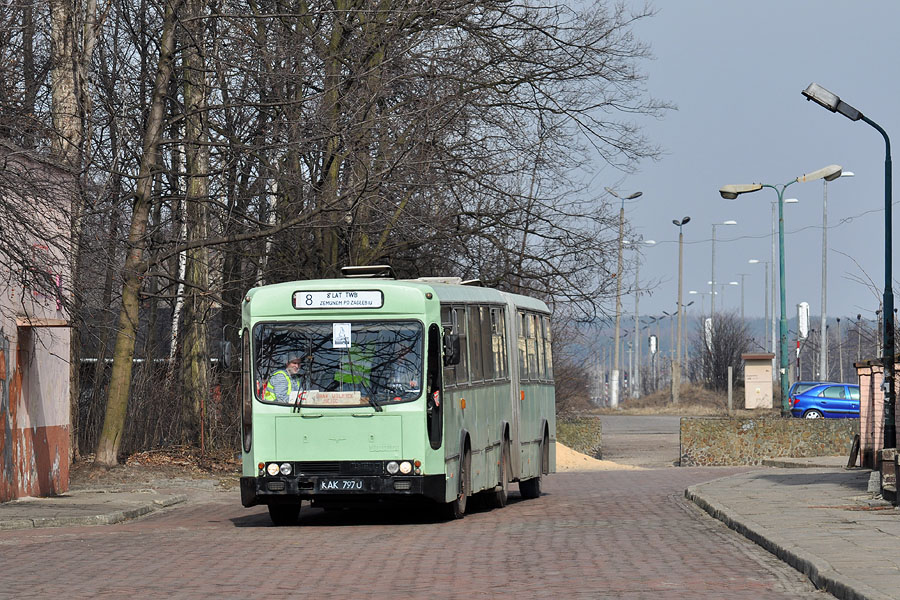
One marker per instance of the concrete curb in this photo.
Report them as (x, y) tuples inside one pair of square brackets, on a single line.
[(787, 463), (819, 571), (110, 518)]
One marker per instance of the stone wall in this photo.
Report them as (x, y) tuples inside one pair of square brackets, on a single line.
[(708, 441), (582, 434)]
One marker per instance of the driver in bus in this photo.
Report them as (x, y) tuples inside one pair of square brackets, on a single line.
[(284, 384)]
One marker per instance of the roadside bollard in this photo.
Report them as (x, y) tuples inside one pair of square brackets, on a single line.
[(730, 407)]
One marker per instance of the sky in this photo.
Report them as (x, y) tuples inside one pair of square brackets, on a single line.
[(735, 71)]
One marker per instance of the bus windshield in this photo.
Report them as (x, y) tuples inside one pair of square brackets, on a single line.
[(338, 364)]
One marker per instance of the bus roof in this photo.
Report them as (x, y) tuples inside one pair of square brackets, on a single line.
[(445, 292)]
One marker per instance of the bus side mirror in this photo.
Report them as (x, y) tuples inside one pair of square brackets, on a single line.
[(227, 354), (451, 349)]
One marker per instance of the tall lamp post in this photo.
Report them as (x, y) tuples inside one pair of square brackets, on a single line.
[(730, 192), (756, 261), (742, 294), (636, 374), (702, 300), (774, 329), (712, 298), (840, 352), (614, 380), (832, 102), (676, 367), (823, 354)]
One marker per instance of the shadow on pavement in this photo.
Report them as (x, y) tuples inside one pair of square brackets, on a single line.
[(381, 513), (860, 482)]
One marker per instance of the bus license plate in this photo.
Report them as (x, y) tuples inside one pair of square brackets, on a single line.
[(340, 485)]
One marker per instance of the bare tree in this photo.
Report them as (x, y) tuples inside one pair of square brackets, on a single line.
[(120, 378), (278, 141), (716, 347)]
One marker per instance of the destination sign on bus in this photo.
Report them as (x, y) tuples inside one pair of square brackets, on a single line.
[(338, 299)]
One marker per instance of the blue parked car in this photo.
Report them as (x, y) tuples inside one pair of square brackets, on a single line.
[(828, 400), (798, 387)]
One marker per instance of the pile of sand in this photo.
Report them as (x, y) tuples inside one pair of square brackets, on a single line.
[(570, 460)]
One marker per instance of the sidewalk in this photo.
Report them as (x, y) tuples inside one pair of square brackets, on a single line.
[(84, 507), (822, 520)]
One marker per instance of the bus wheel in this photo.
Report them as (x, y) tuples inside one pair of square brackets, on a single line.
[(499, 496), (284, 514), (456, 509)]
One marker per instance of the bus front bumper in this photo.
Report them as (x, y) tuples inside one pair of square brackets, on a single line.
[(283, 489)]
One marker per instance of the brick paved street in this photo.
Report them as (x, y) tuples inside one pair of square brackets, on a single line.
[(613, 534)]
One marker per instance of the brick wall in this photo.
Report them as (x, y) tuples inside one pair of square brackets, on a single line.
[(871, 410), (707, 441)]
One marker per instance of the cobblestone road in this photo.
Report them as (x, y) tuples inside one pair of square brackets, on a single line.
[(614, 534)]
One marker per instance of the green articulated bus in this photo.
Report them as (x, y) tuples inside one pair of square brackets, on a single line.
[(368, 388)]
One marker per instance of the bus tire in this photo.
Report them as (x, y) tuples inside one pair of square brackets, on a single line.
[(456, 509), (284, 514), (498, 498)]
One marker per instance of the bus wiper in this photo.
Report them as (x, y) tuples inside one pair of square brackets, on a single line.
[(372, 400)]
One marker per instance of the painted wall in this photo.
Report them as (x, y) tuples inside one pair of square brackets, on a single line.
[(34, 337), (34, 412)]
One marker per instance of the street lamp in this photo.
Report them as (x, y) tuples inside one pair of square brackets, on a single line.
[(614, 383), (703, 296), (730, 192), (676, 367), (832, 102), (773, 263), (712, 300), (840, 352), (756, 261), (823, 353), (742, 294), (636, 375)]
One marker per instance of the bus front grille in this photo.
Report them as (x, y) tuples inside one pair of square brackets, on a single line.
[(366, 467), (318, 467)]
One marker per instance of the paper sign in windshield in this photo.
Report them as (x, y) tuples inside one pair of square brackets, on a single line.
[(340, 335), (317, 398), (344, 299)]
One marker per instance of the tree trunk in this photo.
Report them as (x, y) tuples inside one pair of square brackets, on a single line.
[(65, 147), (120, 379), (197, 306)]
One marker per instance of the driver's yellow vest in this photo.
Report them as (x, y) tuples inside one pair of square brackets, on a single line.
[(270, 395)]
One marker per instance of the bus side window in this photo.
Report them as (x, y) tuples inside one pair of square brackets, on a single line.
[(462, 369), (498, 342), (531, 347), (447, 325), (548, 356), (476, 372), (486, 345), (434, 401), (522, 327), (539, 346)]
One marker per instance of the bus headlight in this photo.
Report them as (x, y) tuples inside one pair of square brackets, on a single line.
[(285, 468), (272, 469), (405, 467), (392, 467)]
